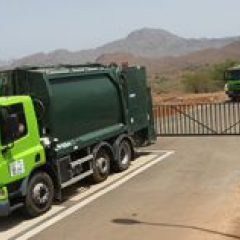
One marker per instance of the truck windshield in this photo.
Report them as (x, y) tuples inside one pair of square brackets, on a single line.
[(233, 75)]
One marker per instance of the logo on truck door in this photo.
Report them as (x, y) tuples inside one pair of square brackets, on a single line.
[(17, 167)]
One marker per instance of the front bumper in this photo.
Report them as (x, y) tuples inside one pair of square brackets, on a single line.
[(4, 202), (235, 93), (4, 208)]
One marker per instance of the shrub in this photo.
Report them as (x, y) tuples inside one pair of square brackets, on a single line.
[(209, 79)]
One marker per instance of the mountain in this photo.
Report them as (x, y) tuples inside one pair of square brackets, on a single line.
[(5, 63), (155, 43), (148, 43), (188, 61), (166, 73)]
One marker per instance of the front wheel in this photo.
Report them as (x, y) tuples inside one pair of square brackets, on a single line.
[(40, 194)]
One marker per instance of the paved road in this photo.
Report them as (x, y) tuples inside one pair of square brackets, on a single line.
[(191, 194)]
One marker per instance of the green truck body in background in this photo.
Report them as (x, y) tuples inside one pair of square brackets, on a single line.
[(61, 124), (232, 86)]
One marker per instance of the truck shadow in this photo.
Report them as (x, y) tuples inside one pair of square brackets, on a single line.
[(18, 217), (11, 221), (87, 183), (168, 225)]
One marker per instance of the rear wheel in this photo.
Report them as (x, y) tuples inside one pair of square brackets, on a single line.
[(124, 156), (40, 194), (101, 165)]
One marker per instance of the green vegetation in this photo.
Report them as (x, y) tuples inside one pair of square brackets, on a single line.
[(161, 83), (209, 79)]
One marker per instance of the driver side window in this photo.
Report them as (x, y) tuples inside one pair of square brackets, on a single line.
[(17, 111)]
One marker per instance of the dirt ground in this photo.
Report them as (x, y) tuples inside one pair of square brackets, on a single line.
[(181, 98)]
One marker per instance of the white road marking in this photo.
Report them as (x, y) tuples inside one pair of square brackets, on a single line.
[(155, 151), (28, 228), (116, 176), (85, 202)]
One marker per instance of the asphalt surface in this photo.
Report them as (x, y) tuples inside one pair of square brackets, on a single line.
[(193, 193)]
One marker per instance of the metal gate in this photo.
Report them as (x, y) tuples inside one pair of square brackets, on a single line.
[(197, 119)]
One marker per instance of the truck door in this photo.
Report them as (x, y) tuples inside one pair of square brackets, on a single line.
[(22, 150)]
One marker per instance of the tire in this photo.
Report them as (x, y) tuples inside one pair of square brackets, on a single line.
[(101, 165), (124, 156), (40, 194)]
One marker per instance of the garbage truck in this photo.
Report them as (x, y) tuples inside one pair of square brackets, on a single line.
[(232, 86), (61, 124)]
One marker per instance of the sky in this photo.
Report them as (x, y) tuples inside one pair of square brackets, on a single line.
[(31, 26)]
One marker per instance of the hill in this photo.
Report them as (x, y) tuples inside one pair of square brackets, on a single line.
[(147, 43), (166, 73)]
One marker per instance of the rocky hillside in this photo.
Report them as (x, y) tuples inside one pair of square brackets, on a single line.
[(147, 43), (154, 43), (166, 73), (186, 62)]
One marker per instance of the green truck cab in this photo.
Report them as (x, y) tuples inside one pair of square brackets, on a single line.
[(21, 150), (61, 124), (232, 86)]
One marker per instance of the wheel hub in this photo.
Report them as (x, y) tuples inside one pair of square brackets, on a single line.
[(124, 154), (102, 164), (40, 194)]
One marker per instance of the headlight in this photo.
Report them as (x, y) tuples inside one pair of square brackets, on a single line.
[(226, 87), (3, 193)]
